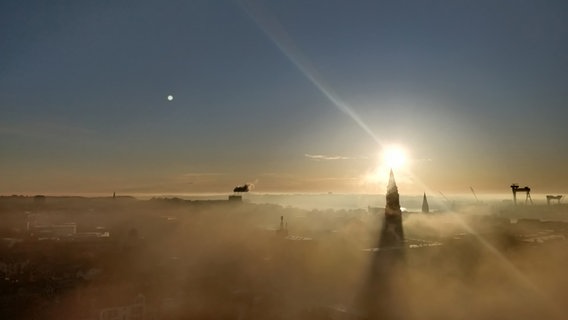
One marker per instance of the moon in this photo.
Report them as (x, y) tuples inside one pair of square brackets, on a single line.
[(170, 97)]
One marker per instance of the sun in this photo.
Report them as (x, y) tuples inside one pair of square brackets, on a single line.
[(394, 157)]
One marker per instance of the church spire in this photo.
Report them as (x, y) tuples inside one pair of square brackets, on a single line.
[(392, 234), (425, 206), (393, 202)]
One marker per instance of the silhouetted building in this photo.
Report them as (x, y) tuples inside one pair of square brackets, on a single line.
[(236, 198), (425, 206), (283, 230), (392, 234), (39, 200)]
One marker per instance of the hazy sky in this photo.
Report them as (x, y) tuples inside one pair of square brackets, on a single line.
[(291, 95)]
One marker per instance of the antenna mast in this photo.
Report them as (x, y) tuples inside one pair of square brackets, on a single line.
[(473, 191)]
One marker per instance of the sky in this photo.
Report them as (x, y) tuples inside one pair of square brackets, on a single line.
[(292, 96)]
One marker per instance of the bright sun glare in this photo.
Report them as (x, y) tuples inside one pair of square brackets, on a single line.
[(394, 157)]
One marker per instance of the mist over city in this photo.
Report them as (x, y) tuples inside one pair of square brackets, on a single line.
[(263, 159), (119, 257)]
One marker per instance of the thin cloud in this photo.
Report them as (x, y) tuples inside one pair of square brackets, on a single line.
[(421, 160), (201, 177), (334, 179), (202, 174), (320, 157), (45, 130)]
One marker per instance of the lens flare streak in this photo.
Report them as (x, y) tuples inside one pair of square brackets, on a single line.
[(278, 35)]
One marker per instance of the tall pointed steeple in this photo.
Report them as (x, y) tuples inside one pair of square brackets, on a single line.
[(392, 234), (393, 202), (381, 291), (425, 206)]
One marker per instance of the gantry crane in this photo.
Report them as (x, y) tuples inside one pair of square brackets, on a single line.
[(515, 188)]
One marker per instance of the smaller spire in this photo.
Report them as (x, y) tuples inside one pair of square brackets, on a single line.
[(425, 206)]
